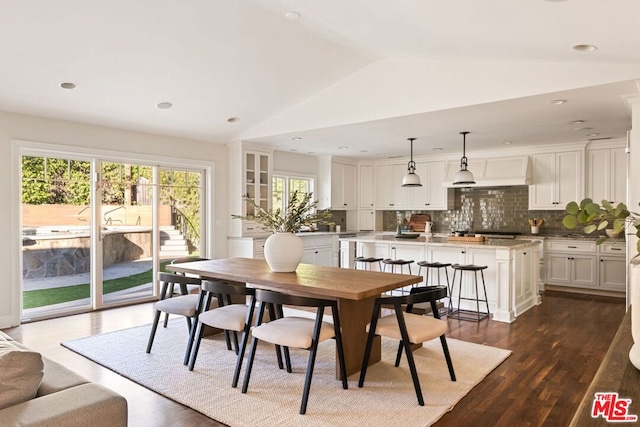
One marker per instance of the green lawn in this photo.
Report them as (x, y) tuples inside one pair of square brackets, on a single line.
[(44, 297)]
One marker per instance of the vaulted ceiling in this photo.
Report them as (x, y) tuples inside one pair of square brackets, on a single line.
[(347, 77)]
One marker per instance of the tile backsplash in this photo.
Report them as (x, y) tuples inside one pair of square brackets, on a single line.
[(487, 208)]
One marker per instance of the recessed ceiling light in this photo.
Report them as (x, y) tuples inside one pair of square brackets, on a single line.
[(575, 122), (591, 135), (233, 119), (363, 151), (585, 47), (295, 138), (438, 149), (164, 105), (310, 152), (67, 85), (292, 15), (507, 143), (583, 128), (556, 102), (343, 147)]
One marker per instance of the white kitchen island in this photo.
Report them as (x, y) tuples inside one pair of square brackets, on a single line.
[(511, 277)]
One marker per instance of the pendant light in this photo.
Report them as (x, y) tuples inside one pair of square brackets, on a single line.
[(411, 179), (463, 176)]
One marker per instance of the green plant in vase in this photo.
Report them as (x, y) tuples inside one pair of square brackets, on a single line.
[(283, 250), (301, 211), (592, 217)]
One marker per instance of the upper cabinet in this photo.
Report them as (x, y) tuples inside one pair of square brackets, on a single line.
[(344, 186), (367, 186), (337, 184), (253, 179), (432, 195), (607, 174), (390, 194), (557, 179), (257, 180)]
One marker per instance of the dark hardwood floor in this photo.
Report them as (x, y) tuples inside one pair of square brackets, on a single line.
[(557, 349)]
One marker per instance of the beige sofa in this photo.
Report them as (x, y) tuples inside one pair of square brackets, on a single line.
[(36, 391)]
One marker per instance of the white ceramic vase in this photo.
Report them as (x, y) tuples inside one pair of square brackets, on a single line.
[(283, 252)]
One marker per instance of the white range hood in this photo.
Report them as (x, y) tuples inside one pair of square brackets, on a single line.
[(492, 172)]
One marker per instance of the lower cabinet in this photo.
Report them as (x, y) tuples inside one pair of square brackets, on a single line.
[(571, 269), (586, 265), (525, 272), (320, 250), (246, 247), (613, 273)]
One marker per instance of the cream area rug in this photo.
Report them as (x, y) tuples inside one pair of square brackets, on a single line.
[(273, 398)]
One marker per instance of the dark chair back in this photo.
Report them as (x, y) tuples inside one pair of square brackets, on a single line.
[(278, 298), (167, 279)]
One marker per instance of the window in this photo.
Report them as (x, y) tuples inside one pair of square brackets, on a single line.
[(284, 185)]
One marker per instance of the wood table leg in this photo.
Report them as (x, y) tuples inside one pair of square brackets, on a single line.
[(354, 317)]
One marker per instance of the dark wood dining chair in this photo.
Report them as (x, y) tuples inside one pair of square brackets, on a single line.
[(409, 328), (228, 316), (183, 289), (183, 305), (296, 332)]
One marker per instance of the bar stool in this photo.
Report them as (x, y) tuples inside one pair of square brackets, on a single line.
[(438, 266), (367, 262), (399, 262), (477, 315)]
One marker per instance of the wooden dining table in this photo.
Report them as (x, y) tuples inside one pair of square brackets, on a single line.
[(354, 290)]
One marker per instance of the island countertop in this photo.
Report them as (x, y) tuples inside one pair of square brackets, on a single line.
[(443, 241)]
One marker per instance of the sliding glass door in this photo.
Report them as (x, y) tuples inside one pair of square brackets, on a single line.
[(96, 231)]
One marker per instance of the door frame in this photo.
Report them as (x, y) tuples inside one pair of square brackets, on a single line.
[(20, 148)]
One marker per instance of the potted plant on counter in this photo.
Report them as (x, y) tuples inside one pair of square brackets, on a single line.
[(591, 216), (283, 250)]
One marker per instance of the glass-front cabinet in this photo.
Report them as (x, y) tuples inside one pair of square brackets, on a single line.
[(250, 174), (257, 179)]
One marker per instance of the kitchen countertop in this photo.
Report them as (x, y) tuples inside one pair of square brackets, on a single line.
[(443, 241)]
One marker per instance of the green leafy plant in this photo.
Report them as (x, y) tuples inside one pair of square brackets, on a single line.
[(301, 211), (605, 216)]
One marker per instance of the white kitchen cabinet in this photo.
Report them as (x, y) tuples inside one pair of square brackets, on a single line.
[(390, 194), (571, 270), (246, 247), (343, 186), (607, 174), (432, 195), (372, 250), (253, 179), (571, 263), (524, 289), (367, 220), (367, 186), (415, 253), (585, 265), (612, 266), (320, 250), (612, 273), (557, 179)]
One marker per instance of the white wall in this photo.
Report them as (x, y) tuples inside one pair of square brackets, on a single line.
[(284, 161), (42, 130)]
